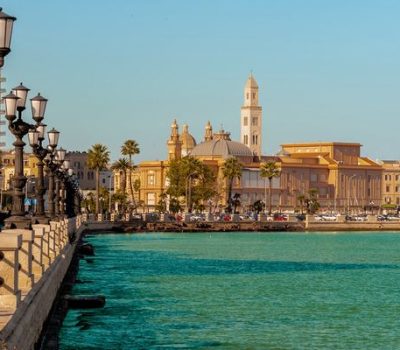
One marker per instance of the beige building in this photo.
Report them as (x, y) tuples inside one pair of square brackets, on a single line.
[(86, 176), (342, 177), (391, 182), (8, 171)]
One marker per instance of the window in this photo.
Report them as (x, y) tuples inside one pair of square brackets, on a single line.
[(151, 181), (313, 177), (254, 95), (247, 96), (397, 177), (387, 188), (254, 121), (245, 121), (246, 139), (397, 188), (151, 199), (397, 200), (255, 139)]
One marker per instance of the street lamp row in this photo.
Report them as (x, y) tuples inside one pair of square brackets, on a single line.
[(58, 169)]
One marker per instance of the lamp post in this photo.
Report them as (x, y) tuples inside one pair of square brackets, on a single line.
[(6, 26), (60, 156), (36, 137), (15, 102), (51, 166), (109, 194)]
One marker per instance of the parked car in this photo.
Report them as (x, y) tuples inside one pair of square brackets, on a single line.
[(280, 217)]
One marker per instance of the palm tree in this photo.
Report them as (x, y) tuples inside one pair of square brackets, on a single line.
[(98, 158), (301, 198), (130, 148), (232, 170), (270, 170), (136, 187), (121, 166)]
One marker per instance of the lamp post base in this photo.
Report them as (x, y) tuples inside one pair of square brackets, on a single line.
[(18, 222), (44, 220)]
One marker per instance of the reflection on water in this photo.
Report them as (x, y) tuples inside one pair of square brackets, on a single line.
[(238, 291)]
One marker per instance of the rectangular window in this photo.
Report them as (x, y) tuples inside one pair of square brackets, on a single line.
[(397, 177), (387, 188), (313, 177), (254, 121), (254, 95), (151, 199), (245, 121), (151, 181), (246, 139)]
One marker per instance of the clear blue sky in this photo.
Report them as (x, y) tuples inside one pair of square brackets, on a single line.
[(113, 70)]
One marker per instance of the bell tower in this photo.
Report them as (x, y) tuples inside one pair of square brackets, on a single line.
[(251, 117), (174, 143)]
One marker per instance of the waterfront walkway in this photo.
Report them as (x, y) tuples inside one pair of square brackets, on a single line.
[(33, 264)]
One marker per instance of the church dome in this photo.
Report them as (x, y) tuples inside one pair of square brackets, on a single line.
[(188, 141), (221, 148)]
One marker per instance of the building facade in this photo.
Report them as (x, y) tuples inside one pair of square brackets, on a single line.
[(391, 182)]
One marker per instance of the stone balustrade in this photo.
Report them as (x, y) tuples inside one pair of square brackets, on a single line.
[(31, 260)]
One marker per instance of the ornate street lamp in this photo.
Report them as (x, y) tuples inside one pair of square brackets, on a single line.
[(6, 26), (60, 156), (36, 137), (48, 161), (15, 101)]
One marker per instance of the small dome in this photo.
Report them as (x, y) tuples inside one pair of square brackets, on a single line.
[(188, 141), (221, 148)]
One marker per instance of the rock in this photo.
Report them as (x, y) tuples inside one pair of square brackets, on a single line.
[(86, 249), (85, 302)]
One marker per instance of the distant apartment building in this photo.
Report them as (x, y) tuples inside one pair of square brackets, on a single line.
[(86, 176)]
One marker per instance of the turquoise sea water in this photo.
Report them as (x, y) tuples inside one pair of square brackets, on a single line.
[(239, 291)]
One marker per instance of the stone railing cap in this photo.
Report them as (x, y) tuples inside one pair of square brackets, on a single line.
[(27, 235), (10, 241)]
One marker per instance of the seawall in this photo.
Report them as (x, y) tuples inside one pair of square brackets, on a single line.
[(32, 269)]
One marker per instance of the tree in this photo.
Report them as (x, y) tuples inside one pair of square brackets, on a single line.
[(122, 166), (312, 201), (232, 170), (120, 198), (130, 148), (257, 206), (301, 198), (174, 205), (269, 170), (98, 158), (192, 179), (88, 202), (161, 206), (236, 201), (136, 187)]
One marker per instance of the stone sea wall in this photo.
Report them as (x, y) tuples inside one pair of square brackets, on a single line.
[(33, 264)]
